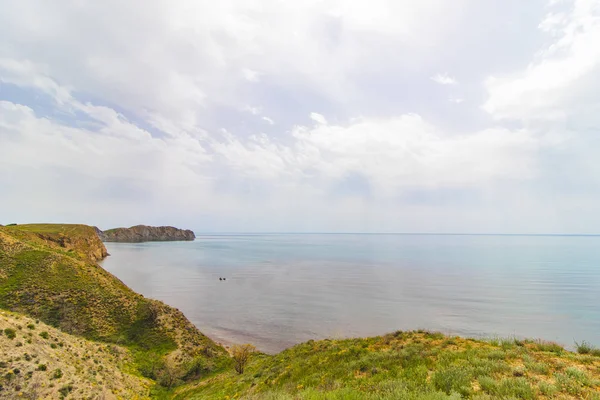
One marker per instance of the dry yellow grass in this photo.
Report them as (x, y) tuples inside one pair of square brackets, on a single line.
[(41, 362)]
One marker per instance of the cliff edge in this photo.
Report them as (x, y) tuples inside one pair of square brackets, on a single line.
[(143, 233), (49, 273)]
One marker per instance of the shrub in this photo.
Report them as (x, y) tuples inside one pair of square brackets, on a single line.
[(584, 347), (57, 374), (44, 334), (538, 367), (196, 367), (65, 390), (488, 385), (452, 379), (547, 389), (241, 355), (169, 373), (31, 326), (10, 333), (515, 387), (578, 375), (42, 367), (549, 347)]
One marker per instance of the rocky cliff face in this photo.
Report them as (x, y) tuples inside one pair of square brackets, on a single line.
[(80, 240), (143, 233)]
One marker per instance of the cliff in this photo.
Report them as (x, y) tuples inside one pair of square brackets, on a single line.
[(80, 241), (49, 272), (143, 233)]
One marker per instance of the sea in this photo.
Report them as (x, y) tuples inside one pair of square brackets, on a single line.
[(277, 290)]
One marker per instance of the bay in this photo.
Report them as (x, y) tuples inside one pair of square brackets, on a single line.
[(282, 289)]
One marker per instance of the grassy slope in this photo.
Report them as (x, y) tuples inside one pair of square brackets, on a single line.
[(41, 362), (410, 365), (49, 272)]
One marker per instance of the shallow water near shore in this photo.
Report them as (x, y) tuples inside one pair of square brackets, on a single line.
[(282, 289)]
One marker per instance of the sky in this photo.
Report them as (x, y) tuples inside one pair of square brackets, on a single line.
[(470, 116)]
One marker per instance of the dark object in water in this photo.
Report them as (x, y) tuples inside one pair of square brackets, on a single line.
[(220, 279)]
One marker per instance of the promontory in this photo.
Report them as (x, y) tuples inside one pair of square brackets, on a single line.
[(143, 233)]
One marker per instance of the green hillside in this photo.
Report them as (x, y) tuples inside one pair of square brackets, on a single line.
[(49, 272), (138, 348), (410, 365)]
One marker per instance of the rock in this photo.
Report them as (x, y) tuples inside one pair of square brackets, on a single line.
[(143, 233), (99, 233)]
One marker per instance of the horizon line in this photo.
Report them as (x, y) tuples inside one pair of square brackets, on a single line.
[(388, 233)]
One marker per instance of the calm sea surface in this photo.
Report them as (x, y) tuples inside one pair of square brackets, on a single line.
[(282, 289)]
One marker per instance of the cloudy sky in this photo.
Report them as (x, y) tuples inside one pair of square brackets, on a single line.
[(273, 115)]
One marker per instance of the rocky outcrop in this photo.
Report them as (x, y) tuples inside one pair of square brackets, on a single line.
[(143, 233), (76, 240)]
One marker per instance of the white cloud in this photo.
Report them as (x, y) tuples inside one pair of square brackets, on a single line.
[(405, 151), (268, 120), (456, 100), (172, 60), (318, 118), (444, 79), (250, 75), (562, 80), (253, 110)]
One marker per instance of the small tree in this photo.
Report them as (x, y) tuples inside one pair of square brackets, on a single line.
[(241, 355)]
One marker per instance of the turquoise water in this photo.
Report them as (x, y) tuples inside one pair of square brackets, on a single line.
[(282, 289)]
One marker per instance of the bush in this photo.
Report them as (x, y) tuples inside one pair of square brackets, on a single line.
[(31, 326), (584, 347), (65, 390), (42, 367), (169, 373), (10, 333), (196, 367), (57, 374), (453, 379), (550, 347), (241, 355), (44, 334)]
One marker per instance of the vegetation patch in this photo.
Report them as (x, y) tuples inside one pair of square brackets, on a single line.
[(51, 274), (99, 339), (408, 365)]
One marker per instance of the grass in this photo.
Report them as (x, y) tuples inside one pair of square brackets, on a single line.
[(49, 272), (411, 365), (38, 370)]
